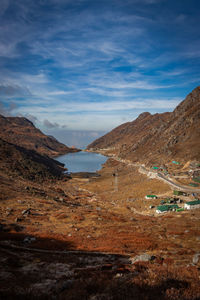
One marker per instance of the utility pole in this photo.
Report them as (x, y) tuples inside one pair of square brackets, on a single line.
[(115, 181)]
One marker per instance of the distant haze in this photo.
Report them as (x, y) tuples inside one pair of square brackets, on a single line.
[(79, 139)]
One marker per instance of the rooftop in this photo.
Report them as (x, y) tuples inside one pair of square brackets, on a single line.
[(167, 207), (195, 202)]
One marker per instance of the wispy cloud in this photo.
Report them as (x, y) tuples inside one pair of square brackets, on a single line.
[(155, 104), (6, 110), (96, 115), (49, 124), (139, 84), (77, 65)]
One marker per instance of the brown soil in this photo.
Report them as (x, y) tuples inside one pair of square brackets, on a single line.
[(18, 162), (109, 221)]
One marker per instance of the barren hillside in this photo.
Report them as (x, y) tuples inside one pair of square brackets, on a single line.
[(153, 138), (22, 132), (17, 162)]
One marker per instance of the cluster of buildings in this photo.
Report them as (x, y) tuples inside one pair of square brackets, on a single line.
[(171, 204)]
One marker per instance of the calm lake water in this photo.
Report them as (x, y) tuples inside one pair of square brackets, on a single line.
[(82, 161)]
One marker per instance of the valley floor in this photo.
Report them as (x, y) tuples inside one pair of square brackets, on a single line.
[(96, 238)]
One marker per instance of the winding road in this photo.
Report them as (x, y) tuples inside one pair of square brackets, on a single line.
[(169, 181), (158, 175), (176, 185)]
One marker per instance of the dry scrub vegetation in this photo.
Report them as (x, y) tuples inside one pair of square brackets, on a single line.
[(109, 225)]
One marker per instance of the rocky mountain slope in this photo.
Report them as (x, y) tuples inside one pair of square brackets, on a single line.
[(20, 131), (16, 162), (158, 137)]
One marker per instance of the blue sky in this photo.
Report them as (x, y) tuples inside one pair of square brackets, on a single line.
[(78, 68)]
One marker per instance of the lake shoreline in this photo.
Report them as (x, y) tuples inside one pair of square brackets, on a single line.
[(84, 164), (84, 175)]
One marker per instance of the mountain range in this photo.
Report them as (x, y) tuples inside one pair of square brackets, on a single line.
[(22, 132), (26, 152), (158, 137)]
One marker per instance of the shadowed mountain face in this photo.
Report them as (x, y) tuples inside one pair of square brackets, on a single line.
[(154, 138), (22, 132), (16, 161)]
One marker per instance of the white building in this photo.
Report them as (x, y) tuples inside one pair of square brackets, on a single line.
[(150, 197), (192, 204)]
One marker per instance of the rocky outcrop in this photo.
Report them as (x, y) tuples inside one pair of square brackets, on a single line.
[(154, 138), (20, 131)]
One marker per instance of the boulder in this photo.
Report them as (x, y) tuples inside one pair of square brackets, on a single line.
[(142, 257), (195, 259)]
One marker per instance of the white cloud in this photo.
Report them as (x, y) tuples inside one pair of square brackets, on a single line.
[(134, 85), (49, 124), (59, 93), (95, 115), (89, 106), (34, 79), (75, 63)]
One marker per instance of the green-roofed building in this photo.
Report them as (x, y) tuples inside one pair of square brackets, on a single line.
[(165, 208), (162, 209), (192, 204), (151, 197), (179, 209)]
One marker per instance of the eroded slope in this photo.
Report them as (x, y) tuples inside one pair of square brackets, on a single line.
[(158, 137), (20, 131)]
